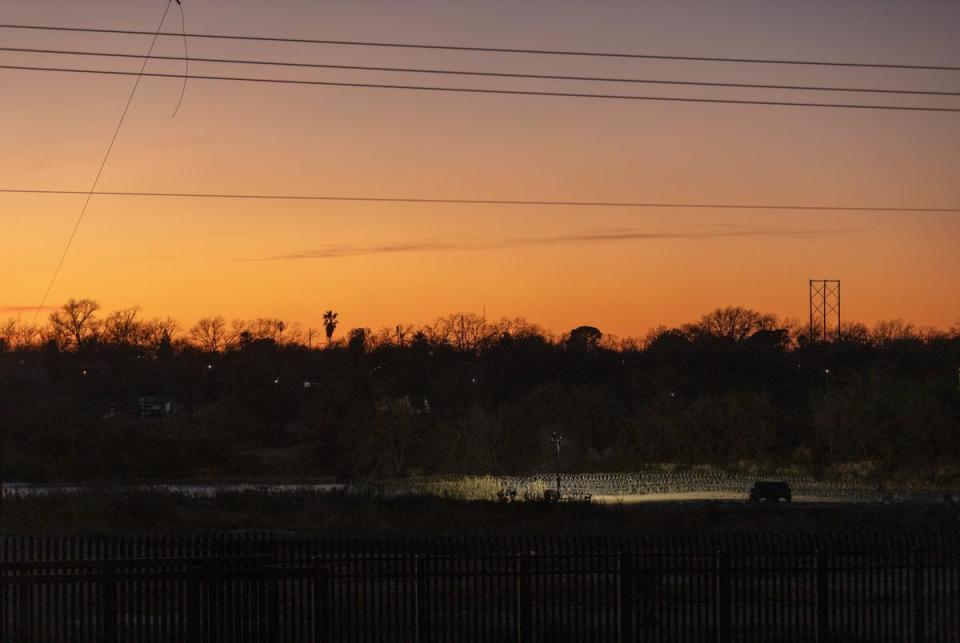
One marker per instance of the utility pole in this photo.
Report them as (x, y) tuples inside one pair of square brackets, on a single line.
[(556, 438), (824, 307)]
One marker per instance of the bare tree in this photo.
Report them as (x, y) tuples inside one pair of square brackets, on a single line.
[(469, 331), (930, 334), (76, 320), (398, 335), (887, 332), (27, 335), (654, 334), (210, 334), (464, 331), (401, 334), (294, 334), (260, 328), (629, 344), (794, 329), (266, 328), (734, 322), (238, 331), (8, 333), (611, 342), (122, 327), (520, 328), (855, 333), (436, 333), (157, 331)]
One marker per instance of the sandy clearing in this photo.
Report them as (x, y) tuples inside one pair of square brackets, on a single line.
[(694, 496)]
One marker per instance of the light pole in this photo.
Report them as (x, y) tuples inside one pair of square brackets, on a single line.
[(556, 438)]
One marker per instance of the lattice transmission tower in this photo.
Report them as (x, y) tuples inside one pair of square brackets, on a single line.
[(824, 309)]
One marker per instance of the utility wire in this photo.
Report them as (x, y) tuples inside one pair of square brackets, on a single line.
[(477, 90), (103, 164), (549, 52), (519, 202), (186, 60), (490, 74)]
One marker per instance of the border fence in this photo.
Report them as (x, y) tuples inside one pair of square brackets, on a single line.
[(638, 483), (655, 587), (529, 487)]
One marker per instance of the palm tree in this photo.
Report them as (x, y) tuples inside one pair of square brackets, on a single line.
[(330, 324)]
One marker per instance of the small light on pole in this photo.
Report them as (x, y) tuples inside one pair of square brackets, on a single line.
[(556, 438)]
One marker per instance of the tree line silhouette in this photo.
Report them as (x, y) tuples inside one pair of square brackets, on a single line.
[(90, 395)]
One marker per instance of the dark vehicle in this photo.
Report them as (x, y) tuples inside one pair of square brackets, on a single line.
[(770, 490)]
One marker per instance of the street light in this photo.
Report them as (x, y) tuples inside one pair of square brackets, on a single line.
[(556, 438)]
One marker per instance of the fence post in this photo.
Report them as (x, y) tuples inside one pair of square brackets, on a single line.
[(194, 608), (323, 627), (822, 599), (625, 597), (421, 598), (4, 589), (108, 606), (524, 600), (216, 575), (917, 594), (271, 575), (724, 602), (24, 627)]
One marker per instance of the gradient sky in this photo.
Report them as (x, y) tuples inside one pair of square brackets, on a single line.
[(378, 264)]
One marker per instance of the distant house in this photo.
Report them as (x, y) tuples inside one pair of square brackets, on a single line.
[(152, 407), (143, 407), (401, 405)]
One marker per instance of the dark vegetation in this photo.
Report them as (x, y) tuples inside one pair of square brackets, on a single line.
[(105, 511), (91, 396)]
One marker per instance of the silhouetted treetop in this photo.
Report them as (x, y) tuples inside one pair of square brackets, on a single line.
[(584, 338), (733, 323)]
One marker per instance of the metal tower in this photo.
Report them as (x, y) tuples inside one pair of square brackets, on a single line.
[(824, 309)]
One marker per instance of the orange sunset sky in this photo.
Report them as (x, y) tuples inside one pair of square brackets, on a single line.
[(378, 264)]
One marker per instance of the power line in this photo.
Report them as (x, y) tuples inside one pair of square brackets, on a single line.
[(103, 164), (547, 52), (518, 202), (489, 74), (478, 90), (186, 59)]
